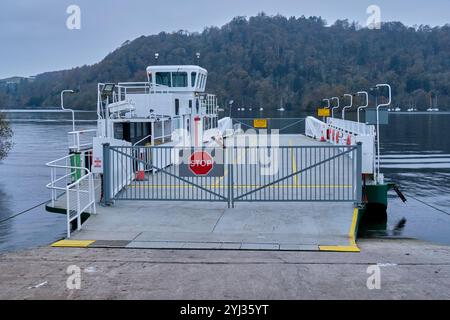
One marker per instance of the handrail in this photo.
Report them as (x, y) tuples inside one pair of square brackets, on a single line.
[(73, 186), (146, 137), (353, 127), (53, 166), (75, 141), (83, 131)]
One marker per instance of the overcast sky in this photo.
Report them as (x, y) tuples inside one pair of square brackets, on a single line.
[(34, 37)]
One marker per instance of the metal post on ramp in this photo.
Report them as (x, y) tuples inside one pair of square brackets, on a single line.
[(358, 173), (230, 177), (106, 174)]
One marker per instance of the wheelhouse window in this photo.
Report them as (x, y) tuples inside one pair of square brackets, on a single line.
[(202, 81), (164, 79), (180, 79), (193, 78)]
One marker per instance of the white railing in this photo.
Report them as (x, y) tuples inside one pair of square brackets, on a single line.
[(125, 88), (345, 133), (209, 104), (352, 127), (315, 128), (81, 140), (76, 183)]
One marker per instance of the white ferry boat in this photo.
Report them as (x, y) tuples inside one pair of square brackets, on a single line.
[(145, 128)]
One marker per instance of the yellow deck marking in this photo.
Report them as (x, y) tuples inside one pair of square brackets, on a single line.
[(73, 243), (219, 181), (352, 247), (294, 164)]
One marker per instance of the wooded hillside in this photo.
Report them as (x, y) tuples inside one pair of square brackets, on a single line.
[(270, 62)]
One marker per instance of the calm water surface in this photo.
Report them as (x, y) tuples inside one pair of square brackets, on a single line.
[(416, 151)]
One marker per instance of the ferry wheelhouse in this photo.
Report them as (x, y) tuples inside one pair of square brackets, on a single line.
[(171, 106)]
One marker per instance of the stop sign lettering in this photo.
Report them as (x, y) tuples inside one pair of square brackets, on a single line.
[(201, 163)]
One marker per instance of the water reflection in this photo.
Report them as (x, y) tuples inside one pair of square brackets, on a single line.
[(416, 155), (23, 176)]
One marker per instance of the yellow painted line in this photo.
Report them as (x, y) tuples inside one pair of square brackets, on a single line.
[(294, 163), (73, 243), (219, 182), (352, 247)]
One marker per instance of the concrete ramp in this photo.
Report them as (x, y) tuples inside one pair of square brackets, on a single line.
[(304, 226)]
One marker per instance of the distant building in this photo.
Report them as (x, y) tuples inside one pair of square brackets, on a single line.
[(14, 81)]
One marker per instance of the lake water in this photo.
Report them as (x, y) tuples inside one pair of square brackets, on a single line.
[(416, 149)]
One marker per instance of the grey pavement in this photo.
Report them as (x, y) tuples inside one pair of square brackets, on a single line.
[(409, 269)]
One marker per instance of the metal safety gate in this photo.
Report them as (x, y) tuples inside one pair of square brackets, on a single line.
[(285, 173)]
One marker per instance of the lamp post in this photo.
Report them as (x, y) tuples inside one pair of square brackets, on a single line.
[(347, 107), (230, 104), (337, 107), (378, 86), (62, 106), (365, 105), (327, 107), (375, 90)]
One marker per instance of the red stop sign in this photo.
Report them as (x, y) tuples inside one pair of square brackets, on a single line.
[(201, 163)]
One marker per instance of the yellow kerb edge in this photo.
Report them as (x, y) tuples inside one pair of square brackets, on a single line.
[(72, 243), (352, 247)]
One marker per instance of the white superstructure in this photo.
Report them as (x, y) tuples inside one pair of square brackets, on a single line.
[(170, 105)]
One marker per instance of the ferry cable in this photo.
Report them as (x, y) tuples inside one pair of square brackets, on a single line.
[(23, 212), (429, 205)]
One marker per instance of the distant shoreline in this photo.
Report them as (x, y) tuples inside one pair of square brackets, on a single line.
[(42, 111)]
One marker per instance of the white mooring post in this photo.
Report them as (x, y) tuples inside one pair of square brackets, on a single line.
[(363, 106), (337, 107), (347, 107), (327, 107), (378, 126), (62, 107)]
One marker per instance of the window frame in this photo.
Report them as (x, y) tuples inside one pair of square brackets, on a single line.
[(175, 75), (194, 76), (164, 72)]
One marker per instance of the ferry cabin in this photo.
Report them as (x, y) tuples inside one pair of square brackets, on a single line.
[(170, 106)]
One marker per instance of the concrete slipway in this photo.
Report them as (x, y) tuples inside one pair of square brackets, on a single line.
[(285, 226), (409, 269)]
